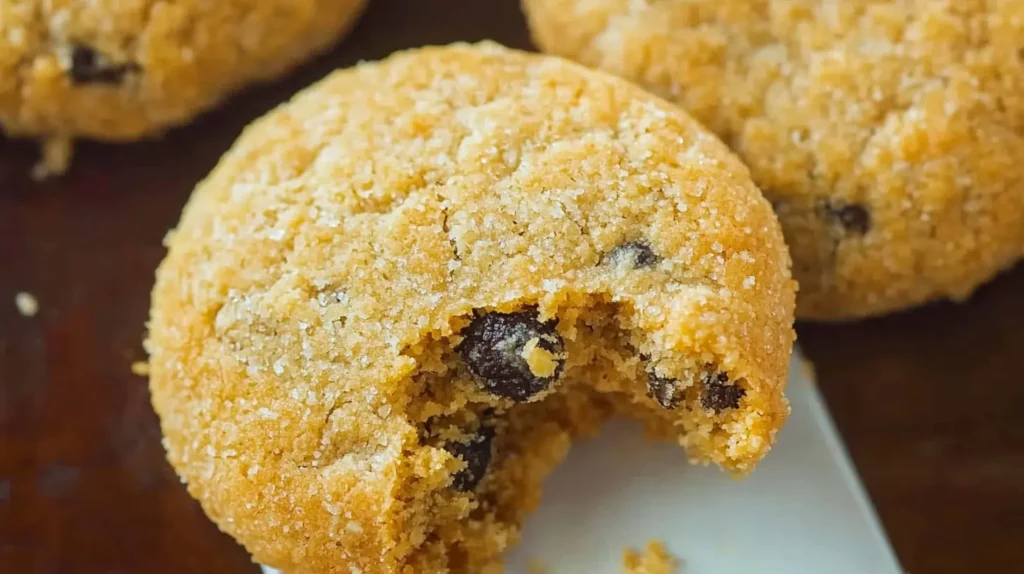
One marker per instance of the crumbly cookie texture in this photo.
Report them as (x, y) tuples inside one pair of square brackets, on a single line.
[(120, 70), (889, 135), (653, 559), (397, 299)]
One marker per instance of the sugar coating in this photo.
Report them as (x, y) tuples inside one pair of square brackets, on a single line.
[(176, 59), (306, 322), (889, 135)]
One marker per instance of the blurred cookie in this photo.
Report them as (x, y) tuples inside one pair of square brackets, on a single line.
[(390, 308), (121, 70), (889, 135)]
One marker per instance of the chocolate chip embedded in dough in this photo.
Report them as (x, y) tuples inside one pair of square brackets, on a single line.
[(719, 395), (634, 255), (91, 67), (852, 217), (664, 390), (476, 451), (513, 355)]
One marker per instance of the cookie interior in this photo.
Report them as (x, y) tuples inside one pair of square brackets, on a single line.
[(476, 461)]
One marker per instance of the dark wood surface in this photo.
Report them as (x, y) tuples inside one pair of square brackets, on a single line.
[(928, 401)]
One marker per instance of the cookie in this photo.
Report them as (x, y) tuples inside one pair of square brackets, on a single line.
[(121, 70), (395, 302), (889, 135), (653, 559)]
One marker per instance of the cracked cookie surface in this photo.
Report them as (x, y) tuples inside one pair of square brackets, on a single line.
[(399, 297), (889, 135), (119, 70)]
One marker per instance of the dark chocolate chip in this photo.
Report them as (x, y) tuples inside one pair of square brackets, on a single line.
[(633, 254), (664, 390), (492, 348), (719, 395), (90, 67), (853, 217), (476, 452)]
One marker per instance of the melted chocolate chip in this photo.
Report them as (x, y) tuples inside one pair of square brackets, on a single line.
[(719, 395), (90, 67), (492, 348), (633, 254), (852, 217), (664, 390), (476, 452)]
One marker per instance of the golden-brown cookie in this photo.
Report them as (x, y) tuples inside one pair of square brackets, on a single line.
[(119, 70), (889, 135), (398, 298)]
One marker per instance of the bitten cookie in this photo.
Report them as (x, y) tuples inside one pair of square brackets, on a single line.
[(398, 298), (889, 135), (120, 70)]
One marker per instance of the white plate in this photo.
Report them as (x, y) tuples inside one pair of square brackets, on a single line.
[(802, 511)]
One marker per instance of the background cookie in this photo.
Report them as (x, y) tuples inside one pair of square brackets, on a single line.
[(887, 134), (396, 300), (120, 70)]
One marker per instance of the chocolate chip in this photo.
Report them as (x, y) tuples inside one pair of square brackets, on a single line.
[(493, 346), (719, 395), (90, 67), (633, 254), (664, 390), (852, 217), (476, 452)]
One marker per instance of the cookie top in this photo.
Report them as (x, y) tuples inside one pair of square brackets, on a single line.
[(889, 135), (463, 237), (122, 69)]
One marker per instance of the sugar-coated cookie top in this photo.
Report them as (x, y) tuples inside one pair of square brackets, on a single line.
[(889, 134), (340, 249)]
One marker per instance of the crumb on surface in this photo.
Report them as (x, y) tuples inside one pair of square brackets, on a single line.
[(654, 559), (140, 368), (55, 160), (27, 304)]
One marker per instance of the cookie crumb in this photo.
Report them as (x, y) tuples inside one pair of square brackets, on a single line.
[(27, 304), (542, 362), (140, 368), (56, 158), (654, 559)]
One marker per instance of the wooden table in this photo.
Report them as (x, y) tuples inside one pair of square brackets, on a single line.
[(929, 401)]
